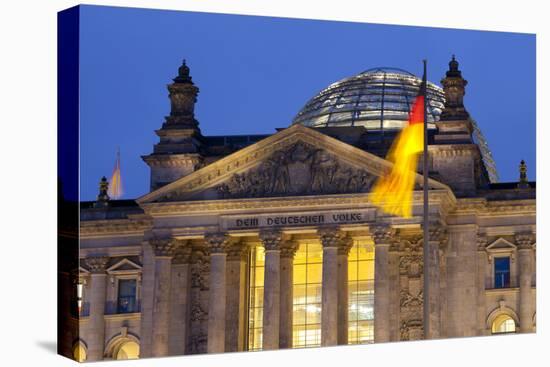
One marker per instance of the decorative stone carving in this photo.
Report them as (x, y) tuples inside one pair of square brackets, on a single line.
[(437, 233), (525, 241), (411, 330), (408, 300), (271, 239), (382, 234), (481, 242), (97, 264), (163, 247), (300, 169), (182, 253), (331, 236), (217, 242), (289, 248), (197, 313), (237, 251), (199, 268), (345, 245), (411, 265)]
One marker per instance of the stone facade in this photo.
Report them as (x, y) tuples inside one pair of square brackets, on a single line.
[(187, 243)]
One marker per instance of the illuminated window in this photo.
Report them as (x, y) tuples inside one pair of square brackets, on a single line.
[(307, 285), (128, 350), (361, 293), (127, 300), (503, 324), (256, 298), (502, 272), (79, 352)]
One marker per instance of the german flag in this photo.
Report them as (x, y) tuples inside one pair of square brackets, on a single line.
[(393, 192)]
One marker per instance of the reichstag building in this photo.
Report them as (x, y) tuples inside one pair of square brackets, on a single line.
[(257, 242)]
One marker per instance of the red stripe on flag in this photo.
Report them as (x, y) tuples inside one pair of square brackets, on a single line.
[(417, 113)]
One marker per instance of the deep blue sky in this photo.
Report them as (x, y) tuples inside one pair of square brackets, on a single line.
[(255, 74)]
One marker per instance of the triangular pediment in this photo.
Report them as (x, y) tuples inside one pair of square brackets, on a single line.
[(501, 244), (123, 265), (293, 162)]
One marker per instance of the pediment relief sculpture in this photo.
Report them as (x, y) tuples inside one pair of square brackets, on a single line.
[(300, 169)]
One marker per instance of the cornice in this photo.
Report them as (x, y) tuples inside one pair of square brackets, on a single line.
[(336, 201), (115, 226), (482, 206)]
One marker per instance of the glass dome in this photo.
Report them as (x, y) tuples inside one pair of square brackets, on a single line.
[(377, 99)]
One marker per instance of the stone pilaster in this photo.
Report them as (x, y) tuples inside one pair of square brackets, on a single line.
[(235, 321), (524, 242), (163, 250), (480, 276), (382, 236), (217, 243), (179, 298), (437, 237), (198, 299), (97, 294), (343, 293), (288, 250), (331, 238), (272, 288)]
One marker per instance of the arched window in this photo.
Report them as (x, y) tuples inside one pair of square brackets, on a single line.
[(79, 352), (123, 347), (503, 324), (128, 350)]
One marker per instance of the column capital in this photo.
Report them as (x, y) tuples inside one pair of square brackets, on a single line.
[(97, 264), (182, 252), (271, 239), (345, 245), (382, 234), (289, 248), (525, 240), (163, 247), (481, 242), (237, 250), (217, 242), (330, 236), (437, 234)]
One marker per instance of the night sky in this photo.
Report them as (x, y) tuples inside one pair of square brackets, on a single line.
[(256, 73)]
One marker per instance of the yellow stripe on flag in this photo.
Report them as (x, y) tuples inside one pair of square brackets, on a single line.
[(393, 193)]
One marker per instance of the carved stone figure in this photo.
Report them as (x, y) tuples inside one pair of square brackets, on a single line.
[(300, 169)]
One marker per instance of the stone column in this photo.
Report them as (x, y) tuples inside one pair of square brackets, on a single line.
[(217, 243), (235, 321), (382, 236), (343, 294), (481, 272), (330, 239), (179, 298), (272, 288), (96, 296), (164, 251), (288, 250), (437, 236), (524, 242)]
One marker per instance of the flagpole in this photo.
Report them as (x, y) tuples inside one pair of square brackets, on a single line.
[(425, 247)]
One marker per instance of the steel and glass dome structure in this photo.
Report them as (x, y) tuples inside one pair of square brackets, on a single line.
[(378, 99)]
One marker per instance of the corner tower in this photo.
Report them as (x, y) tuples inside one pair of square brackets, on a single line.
[(178, 152), (454, 154)]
